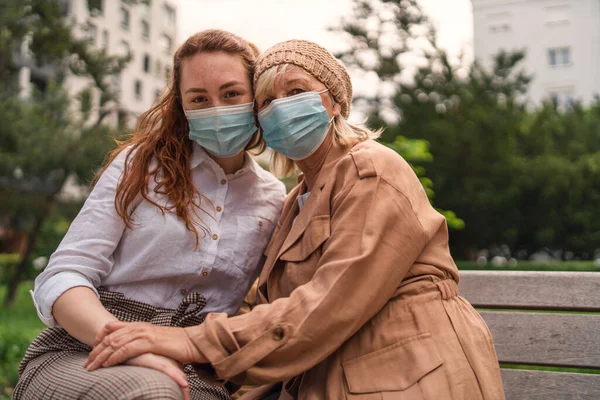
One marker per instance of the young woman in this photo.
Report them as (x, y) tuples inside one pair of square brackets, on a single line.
[(175, 228), (359, 292)]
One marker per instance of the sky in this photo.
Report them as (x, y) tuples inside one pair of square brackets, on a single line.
[(267, 22)]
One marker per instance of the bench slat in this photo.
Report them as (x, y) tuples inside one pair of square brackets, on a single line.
[(576, 291), (543, 385), (563, 340)]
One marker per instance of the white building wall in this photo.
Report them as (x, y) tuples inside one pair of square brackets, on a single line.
[(106, 30), (109, 25), (538, 26)]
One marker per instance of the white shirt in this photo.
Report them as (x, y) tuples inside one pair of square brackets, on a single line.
[(302, 200), (156, 261)]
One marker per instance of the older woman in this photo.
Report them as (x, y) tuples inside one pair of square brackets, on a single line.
[(359, 290)]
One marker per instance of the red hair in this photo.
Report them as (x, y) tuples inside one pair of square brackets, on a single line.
[(161, 139)]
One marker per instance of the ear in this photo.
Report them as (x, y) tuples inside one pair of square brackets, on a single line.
[(337, 109)]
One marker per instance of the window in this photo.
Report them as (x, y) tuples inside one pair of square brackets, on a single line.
[(165, 43), (124, 18), (146, 63), (122, 119), (499, 28), (559, 56), (65, 7), (562, 97), (145, 9), (18, 45), (499, 22), (115, 82), (105, 39), (39, 83), (145, 30), (91, 31), (138, 90), (169, 16), (95, 7), (558, 14), (158, 68), (124, 48)]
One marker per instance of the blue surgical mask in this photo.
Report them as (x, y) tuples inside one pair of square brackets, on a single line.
[(222, 131), (295, 126)]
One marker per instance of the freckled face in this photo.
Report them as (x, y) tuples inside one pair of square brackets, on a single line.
[(214, 79)]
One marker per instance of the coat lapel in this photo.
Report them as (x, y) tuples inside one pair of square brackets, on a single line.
[(291, 230), (311, 206), (302, 220), (290, 210)]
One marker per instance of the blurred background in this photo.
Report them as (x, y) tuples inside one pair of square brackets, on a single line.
[(493, 102)]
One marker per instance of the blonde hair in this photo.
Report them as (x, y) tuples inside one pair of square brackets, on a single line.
[(344, 132)]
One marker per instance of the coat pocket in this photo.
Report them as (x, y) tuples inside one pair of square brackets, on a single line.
[(317, 231), (408, 370)]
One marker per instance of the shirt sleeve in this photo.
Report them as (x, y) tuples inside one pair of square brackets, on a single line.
[(85, 255), (375, 239)]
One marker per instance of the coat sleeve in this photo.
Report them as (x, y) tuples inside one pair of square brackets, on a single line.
[(375, 239)]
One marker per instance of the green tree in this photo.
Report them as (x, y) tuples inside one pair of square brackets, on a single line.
[(558, 172), (43, 143), (379, 33), (522, 178)]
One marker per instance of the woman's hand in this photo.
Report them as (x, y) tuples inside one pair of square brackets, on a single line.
[(119, 341), (165, 365)]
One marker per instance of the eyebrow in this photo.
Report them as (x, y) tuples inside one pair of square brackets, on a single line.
[(298, 80), (223, 86)]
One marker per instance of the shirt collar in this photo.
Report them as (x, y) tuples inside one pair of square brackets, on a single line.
[(199, 155)]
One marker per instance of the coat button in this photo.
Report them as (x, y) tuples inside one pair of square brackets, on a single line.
[(215, 236), (219, 209), (278, 333), (260, 223), (223, 181), (183, 292), (205, 273)]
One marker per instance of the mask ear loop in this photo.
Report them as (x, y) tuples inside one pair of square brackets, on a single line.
[(335, 104)]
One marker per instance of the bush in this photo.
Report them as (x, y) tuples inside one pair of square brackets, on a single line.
[(13, 345), (7, 263), (19, 325)]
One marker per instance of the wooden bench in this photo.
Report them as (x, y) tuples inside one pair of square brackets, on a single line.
[(541, 321)]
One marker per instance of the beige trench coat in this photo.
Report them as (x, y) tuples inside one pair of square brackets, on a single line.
[(359, 297)]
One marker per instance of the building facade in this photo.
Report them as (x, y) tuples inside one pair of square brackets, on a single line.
[(146, 29), (561, 39)]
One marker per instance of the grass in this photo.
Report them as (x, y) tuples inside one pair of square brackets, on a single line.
[(19, 325), (21, 316), (592, 371), (571, 266)]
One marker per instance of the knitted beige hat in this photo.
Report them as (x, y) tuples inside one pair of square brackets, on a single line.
[(315, 60)]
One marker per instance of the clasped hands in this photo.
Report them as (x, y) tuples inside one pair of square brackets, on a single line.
[(142, 344)]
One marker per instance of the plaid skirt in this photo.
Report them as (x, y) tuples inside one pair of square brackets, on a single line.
[(53, 363)]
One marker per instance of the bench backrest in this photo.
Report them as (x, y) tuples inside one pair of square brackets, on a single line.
[(541, 322)]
